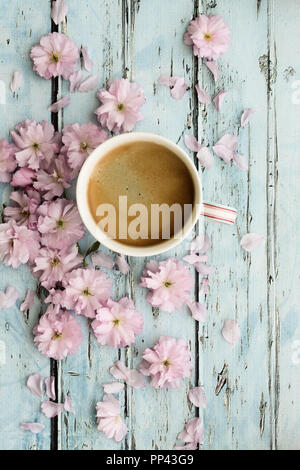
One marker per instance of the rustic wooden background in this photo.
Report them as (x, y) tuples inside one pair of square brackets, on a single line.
[(252, 388)]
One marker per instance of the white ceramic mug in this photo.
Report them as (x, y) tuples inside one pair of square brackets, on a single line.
[(215, 212)]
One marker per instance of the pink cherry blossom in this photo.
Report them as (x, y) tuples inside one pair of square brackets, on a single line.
[(55, 55), (52, 264), (198, 310), (35, 142), (251, 241), (218, 99), (80, 140), (59, 11), (7, 160), (209, 36), (247, 113), (231, 331), (226, 146), (35, 385), (102, 260), (170, 284), (51, 409), (54, 180), (109, 418), (23, 177), (177, 85), (132, 377), (9, 297), (24, 208), (60, 104), (203, 97), (28, 302), (50, 387), (197, 396), (213, 67), (120, 109), (87, 61), (117, 323), (59, 223), (35, 428), (86, 290), (18, 244), (55, 298), (16, 81), (193, 432), (58, 335), (167, 362)]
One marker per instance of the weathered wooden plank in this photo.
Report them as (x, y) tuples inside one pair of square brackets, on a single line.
[(236, 415), (22, 25)]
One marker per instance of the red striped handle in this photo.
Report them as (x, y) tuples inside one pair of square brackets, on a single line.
[(219, 213)]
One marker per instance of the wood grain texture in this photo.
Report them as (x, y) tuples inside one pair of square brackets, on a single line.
[(251, 388)]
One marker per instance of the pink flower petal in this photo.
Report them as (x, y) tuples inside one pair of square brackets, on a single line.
[(200, 244), (203, 97), (204, 286), (28, 302), (75, 80), (205, 157), (213, 67), (87, 61), (197, 396), (231, 331), (59, 11), (16, 81), (193, 259), (62, 103), (122, 264), (226, 146), (192, 143), (89, 84), (246, 116), (9, 298), (179, 89), (114, 387), (191, 446), (35, 428), (251, 241), (198, 310), (50, 387), (166, 80), (51, 409), (203, 269), (240, 162), (35, 385), (102, 260), (68, 405), (219, 98), (132, 377)]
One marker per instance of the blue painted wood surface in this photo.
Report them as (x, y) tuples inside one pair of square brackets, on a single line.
[(252, 388)]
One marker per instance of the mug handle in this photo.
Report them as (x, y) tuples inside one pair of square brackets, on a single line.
[(219, 213)]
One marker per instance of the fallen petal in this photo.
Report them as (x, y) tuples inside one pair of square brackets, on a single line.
[(136, 379), (122, 264), (75, 80), (87, 61), (219, 98), (197, 396), (231, 331), (28, 302), (205, 157), (204, 286), (62, 103), (59, 11), (9, 298), (213, 67), (246, 116), (240, 162), (203, 97), (179, 89), (193, 259), (200, 244), (35, 385), (35, 428), (251, 241), (16, 81), (68, 405), (50, 387), (166, 80), (51, 409), (191, 446), (192, 143), (226, 146), (114, 387), (203, 269), (89, 84), (198, 310), (102, 260)]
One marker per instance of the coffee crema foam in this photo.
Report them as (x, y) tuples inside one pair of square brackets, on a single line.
[(133, 182)]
